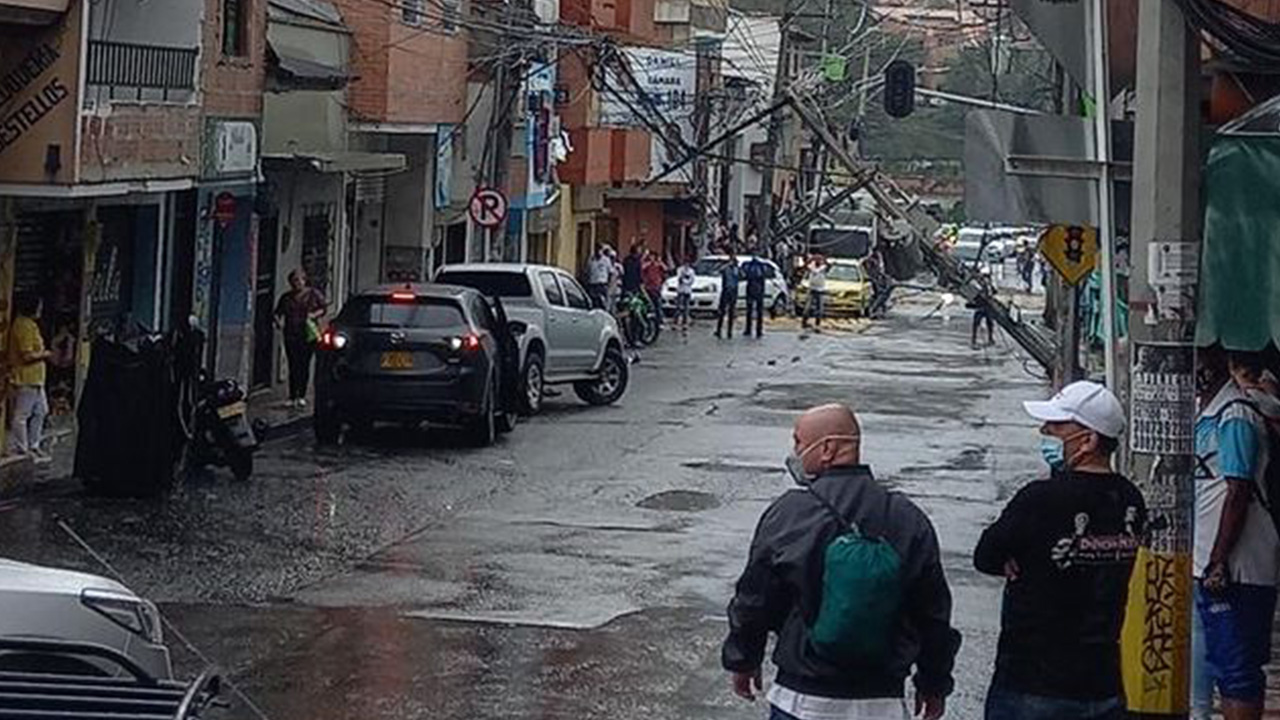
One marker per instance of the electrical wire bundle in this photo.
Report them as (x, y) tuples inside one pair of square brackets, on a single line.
[(1247, 41)]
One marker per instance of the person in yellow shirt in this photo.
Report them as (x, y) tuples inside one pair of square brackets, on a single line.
[(26, 358)]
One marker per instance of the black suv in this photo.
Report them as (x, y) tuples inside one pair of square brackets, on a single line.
[(417, 353)]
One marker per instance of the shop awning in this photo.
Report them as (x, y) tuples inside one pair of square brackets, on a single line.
[(338, 162), (1240, 261), (288, 70)]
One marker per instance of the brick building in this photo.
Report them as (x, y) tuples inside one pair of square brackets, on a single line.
[(122, 157)]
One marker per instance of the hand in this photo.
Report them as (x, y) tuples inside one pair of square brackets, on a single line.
[(744, 682), (1012, 571), (1216, 577), (930, 707)]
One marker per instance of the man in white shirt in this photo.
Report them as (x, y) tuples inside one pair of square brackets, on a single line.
[(1237, 548), (685, 278), (817, 278), (598, 269)]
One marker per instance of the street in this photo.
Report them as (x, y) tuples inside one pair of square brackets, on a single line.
[(579, 568)]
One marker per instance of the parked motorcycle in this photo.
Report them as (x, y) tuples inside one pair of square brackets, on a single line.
[(215, 417), (639, 320)]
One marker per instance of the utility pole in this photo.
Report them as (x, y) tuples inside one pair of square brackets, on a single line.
[(1162, 405), (781, 81), (708, 69)]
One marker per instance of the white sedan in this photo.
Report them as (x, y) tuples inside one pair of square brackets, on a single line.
[(706, 288)]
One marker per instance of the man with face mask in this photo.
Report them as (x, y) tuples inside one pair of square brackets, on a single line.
[(1066, 547), (782, 589)]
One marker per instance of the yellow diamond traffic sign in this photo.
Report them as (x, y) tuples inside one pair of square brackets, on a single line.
[(1072, 250)]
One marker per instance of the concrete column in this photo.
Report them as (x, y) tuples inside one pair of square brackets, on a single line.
[(1162, 408)]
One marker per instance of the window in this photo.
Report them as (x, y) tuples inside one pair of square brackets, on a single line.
[(235, 28), (452, 9), (386, 313), (551, 288), (577, 296), (483, 315), (412, 12), (489, 283)]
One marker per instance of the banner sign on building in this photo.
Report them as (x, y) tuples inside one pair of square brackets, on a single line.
[(39, 77), (668, 83)]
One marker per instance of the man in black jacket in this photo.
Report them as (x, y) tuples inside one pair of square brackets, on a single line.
[(1066, 546), (781, 589)]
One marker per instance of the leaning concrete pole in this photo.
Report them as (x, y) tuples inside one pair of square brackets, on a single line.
[(1166, 241)]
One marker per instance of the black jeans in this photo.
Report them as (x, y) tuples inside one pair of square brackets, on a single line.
[(729, 309), (755, 307), (298, 351), (599, 293)]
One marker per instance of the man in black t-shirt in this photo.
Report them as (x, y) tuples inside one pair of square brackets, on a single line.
[(1066, 547)]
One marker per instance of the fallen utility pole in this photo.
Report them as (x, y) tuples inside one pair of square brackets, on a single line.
[(950, 271), (1156, 643), (814, 213)]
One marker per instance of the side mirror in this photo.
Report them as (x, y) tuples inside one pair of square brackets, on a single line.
[(518, 327)]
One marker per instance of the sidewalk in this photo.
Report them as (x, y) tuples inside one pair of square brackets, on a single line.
[(20, 476)]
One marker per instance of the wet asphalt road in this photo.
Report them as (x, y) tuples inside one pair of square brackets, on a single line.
[(578, 569)]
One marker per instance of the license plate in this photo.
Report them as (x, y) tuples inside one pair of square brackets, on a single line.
[(232, 410), (399, 360)]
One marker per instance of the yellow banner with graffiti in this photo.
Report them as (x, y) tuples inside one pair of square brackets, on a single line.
[(1155, 644)]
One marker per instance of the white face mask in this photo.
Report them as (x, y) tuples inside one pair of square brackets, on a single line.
[(795, 461)]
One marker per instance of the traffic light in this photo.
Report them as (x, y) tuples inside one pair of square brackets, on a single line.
[(899, 89)]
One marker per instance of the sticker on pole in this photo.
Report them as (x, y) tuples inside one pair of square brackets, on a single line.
[(1072, 250), (488, 207)]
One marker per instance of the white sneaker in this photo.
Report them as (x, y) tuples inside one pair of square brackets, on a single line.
[(302, 403)]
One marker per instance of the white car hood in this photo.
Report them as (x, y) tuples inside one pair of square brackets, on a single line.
[(23, 577)]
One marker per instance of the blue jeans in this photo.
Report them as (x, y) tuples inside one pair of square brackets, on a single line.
[(1201, 680), (1237, 638), (1012, 705)]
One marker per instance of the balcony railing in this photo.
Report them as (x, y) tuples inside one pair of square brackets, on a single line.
[(134, 67)]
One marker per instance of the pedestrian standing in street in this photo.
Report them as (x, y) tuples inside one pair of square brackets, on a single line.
[(754, 271), (685, 278), (27, 358), (298, 315), (654, 273), (728, 308), (849, 576), (599, 268), (615, 278), (1066, 548), (980, 312), (633, 271), (1237, 550), (816, 275)]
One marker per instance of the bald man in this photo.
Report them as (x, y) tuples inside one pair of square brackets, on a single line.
[(781, 589)]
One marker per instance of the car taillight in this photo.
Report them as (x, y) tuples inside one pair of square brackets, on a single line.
[(331, 339), (465, 343), (403, 297)]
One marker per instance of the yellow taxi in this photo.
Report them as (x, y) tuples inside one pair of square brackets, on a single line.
[(848, 289)]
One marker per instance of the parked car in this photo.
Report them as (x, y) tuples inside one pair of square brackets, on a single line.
[(417, 353), (706, 288), (848, 289), (562, 338), (40, 603)]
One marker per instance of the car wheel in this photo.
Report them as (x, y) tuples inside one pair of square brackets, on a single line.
[(611, 382), (483, 428), (327, 426), (531, 384)]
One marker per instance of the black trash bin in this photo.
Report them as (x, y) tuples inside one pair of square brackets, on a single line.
[(128, 441)]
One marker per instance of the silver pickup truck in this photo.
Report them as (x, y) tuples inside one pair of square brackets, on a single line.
[(563, 340)]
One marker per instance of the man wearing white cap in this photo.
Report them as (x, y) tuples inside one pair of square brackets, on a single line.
[(1065, 546)]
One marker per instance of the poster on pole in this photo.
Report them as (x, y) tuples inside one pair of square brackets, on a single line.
[(1164, 399)]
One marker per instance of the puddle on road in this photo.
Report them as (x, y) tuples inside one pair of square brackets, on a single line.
[(680, 501)]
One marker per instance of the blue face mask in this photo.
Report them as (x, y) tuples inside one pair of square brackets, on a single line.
[(1054, 452)]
